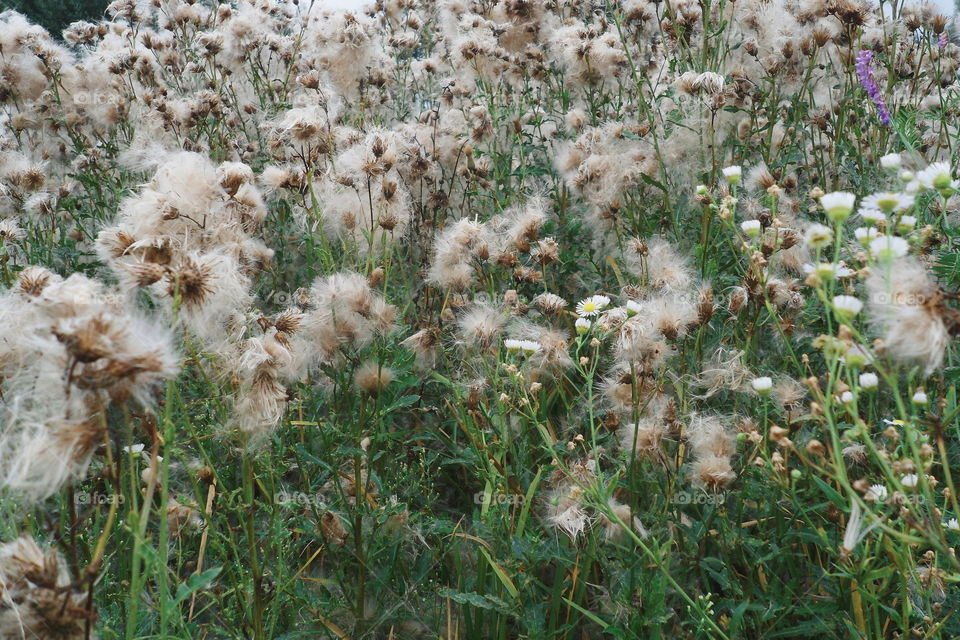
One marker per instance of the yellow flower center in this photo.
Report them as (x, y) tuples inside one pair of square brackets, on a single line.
[(589, 306)]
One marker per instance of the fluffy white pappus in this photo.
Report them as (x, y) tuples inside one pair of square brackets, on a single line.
[(211, 287), (344, 314), (38, 596), (707, 434), (908, 309), (454, 250), (72, 348), (481, 325)]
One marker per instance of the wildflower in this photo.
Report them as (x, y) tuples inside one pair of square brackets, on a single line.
[(856, 356), (582, 325), (864, 235), (936, 176), (889, 248), (846, 306), (868, 381), (592, 306), (762, 385), (876, 493), (952, 524), (888, 201), (910, 480), (838, 205), (871, 215), (751, 228), (527, 347), (846, 397), (919, 397), (906, 223), (818, 236), (633, 308), (869, 84), (733, 174), (891, 161)]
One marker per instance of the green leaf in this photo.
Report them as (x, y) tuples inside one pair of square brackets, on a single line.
[(195, 582)]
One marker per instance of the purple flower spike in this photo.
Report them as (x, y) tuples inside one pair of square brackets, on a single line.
[(943, 39), (870, 85)]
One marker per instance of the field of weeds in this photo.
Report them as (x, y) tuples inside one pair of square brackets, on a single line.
[(479, 319)]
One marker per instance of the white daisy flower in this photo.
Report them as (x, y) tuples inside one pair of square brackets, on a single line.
[(887, 248), (919, 397), (906, 223), (838, 205), (134, 448), (952, 524), (592, 306), (888, 201), (936, 176), (528, 347), (856, 356), (876, 493), (582, 325), (633, 308), (847, 305), (846, 397), (871, 216), (865, 234), (818, 236)]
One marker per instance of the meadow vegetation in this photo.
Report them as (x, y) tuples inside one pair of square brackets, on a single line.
[(478, 319)]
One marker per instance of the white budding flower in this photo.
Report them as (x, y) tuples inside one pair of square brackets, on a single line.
[(952, 524), (891, 161), (910, 480), (818, 236), (847, 306), (838, 205), (887, 248), (733, 174), (592, 306), (751, 228), (876, 493), (633, 308), (762, 385), (919, 397), (869, 380), (846, 397)]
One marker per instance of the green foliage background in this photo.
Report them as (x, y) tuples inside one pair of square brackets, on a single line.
[(56, 15)]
